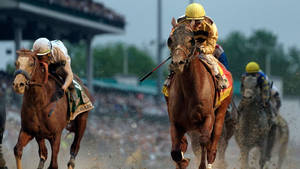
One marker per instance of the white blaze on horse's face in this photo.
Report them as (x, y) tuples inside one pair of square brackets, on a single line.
[(180, 44), (26, 64), (250, 90)]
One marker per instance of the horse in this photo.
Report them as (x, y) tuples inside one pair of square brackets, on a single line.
[(229, 128), (191, 99), (255, 130), (44, 112), (3, 78)]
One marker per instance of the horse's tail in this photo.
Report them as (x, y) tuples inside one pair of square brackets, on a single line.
[(283, 133)]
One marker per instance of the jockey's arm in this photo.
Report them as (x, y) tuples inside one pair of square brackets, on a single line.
[(61, 55), (209, 45), (265, 90), (69, 72)]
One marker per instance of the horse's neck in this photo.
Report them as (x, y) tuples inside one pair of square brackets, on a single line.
[(193, 76), (39, 95)]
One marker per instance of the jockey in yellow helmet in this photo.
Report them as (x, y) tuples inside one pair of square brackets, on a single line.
[(267, 92), (206, 36), (55, 51)]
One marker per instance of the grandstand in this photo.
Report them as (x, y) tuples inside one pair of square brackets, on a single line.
[(71, 20)]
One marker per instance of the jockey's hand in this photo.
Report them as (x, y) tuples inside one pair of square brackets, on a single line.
[(64, 87)]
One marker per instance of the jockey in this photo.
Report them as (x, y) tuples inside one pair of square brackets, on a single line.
[(206, 36), (55, 51), (221, 56), (253, 69)]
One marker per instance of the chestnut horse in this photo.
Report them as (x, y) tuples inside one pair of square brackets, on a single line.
[(44, 113), (191, 99)]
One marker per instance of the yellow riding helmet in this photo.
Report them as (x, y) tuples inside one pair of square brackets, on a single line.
[(194, 11), (252, 67)]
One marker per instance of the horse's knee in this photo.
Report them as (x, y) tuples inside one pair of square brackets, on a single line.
[(211, 156), (204, 136), (177, 155)]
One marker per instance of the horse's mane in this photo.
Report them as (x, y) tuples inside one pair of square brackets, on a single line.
[(26, 53)]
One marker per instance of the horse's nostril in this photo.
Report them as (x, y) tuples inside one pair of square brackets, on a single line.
[(172, 62), (22, 84)]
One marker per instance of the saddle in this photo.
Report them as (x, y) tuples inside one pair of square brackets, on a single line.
[(221, 94), (78, 101)]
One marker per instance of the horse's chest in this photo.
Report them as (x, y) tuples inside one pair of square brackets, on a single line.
[(33, 124)]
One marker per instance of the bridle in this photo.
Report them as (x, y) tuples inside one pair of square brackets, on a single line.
[(190, 56), (28, 76)]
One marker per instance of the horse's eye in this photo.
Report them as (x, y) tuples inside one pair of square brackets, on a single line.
[(31, 64), (169, 41), (192, 41)]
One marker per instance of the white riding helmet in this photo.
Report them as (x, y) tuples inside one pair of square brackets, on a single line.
[(42, 46)]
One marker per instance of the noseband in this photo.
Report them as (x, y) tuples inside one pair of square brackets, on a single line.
[(189, 57)]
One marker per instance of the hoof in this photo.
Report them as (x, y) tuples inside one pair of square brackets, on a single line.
[(71, 164), (41, 164), (183, 164), (177, 156), (3, 168)]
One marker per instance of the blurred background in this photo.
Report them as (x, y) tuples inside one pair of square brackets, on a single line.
[(112, 43)]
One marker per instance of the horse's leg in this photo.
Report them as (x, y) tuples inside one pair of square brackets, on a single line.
[(244, 157), (2, 160), (23, 140), (207, 128), (222, 146), (270, 143), (283, 140), (55, 143), (43, 154), (80, 125), (217, 132), (179, 147)]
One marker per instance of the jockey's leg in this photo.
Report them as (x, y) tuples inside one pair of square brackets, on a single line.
[(167, 83), (215, 67)]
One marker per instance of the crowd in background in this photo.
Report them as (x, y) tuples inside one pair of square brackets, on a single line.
[(88, 6), (111, 102)]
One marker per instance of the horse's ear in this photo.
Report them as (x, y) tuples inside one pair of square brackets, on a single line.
[(174, 22)]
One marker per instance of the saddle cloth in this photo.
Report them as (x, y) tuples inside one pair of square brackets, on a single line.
[(221, 94), (224, 93), (80, 103)]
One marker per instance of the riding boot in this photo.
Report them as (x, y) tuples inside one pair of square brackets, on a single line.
[(222, 82), (167, 83)]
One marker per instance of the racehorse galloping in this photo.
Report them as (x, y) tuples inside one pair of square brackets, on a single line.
[(43, 114), (253, 129), (191, 100)]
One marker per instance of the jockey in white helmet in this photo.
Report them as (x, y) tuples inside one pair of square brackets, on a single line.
[(56, 52)]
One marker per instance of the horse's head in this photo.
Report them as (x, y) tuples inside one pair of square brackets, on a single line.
[(182, 45), (27, 66), (250, 90)]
